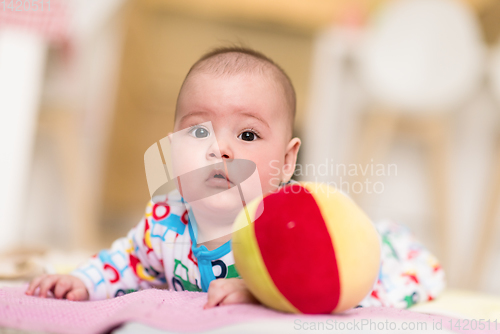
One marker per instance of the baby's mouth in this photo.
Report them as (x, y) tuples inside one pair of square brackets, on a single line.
[(218, 178)]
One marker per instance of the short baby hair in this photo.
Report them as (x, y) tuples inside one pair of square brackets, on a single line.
[(234, 60)]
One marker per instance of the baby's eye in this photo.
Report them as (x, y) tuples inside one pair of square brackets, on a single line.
[(199, 132), (248, 136)]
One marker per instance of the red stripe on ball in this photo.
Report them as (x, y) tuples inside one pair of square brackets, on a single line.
[(297, 250)]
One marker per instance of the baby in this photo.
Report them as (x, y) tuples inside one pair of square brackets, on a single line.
[(248, 102)]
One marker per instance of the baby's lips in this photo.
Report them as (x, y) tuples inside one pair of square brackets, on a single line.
[(239, 170), (217, 171)]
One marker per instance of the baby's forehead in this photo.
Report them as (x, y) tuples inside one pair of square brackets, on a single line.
[(236, 95), (244, 82), (232, 63), (248, 91), (261, 77), (239, 64), (267, 78)]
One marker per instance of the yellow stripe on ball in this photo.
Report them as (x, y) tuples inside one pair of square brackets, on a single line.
[(349, 228)]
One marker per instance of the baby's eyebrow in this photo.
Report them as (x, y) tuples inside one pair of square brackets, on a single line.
[(202, 113), (256, 117), (191, 114)]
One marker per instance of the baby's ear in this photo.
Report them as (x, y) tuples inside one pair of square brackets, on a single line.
[(291, 152)]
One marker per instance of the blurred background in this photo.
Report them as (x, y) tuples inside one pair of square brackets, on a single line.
[(398, 105)]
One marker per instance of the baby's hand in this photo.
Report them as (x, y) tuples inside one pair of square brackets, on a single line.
[(229, 291), (62, 286)]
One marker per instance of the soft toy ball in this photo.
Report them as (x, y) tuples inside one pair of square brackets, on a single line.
[(311, 250)]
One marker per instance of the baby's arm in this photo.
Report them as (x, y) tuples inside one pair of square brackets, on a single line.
[(131, 263)]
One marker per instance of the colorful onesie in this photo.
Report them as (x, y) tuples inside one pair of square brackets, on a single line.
[(160, 251)]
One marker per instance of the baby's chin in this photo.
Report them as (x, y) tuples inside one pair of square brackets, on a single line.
[(224, 203)]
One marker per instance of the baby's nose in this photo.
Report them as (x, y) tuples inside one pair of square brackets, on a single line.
[(220, 150), (224, 156)]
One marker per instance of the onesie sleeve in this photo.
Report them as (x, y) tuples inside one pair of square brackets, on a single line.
[(132, 263), (408, 274)]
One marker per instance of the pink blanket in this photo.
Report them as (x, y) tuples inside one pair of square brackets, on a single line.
[(168, 310)]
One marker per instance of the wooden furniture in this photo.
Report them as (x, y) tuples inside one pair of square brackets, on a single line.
[(380, 132), (487, 223)]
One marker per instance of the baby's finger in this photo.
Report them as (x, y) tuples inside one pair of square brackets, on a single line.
[(215, 295), (47, 284), (34, 284), (62, 287), (78, 294), (239, 297), (236, 297)]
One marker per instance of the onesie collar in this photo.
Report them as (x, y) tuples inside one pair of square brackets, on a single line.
[(203, 255)]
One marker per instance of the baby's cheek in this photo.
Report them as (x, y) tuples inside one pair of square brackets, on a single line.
[(270, 178), (268, 167)]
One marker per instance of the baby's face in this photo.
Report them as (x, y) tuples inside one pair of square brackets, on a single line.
[(241, 116)]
